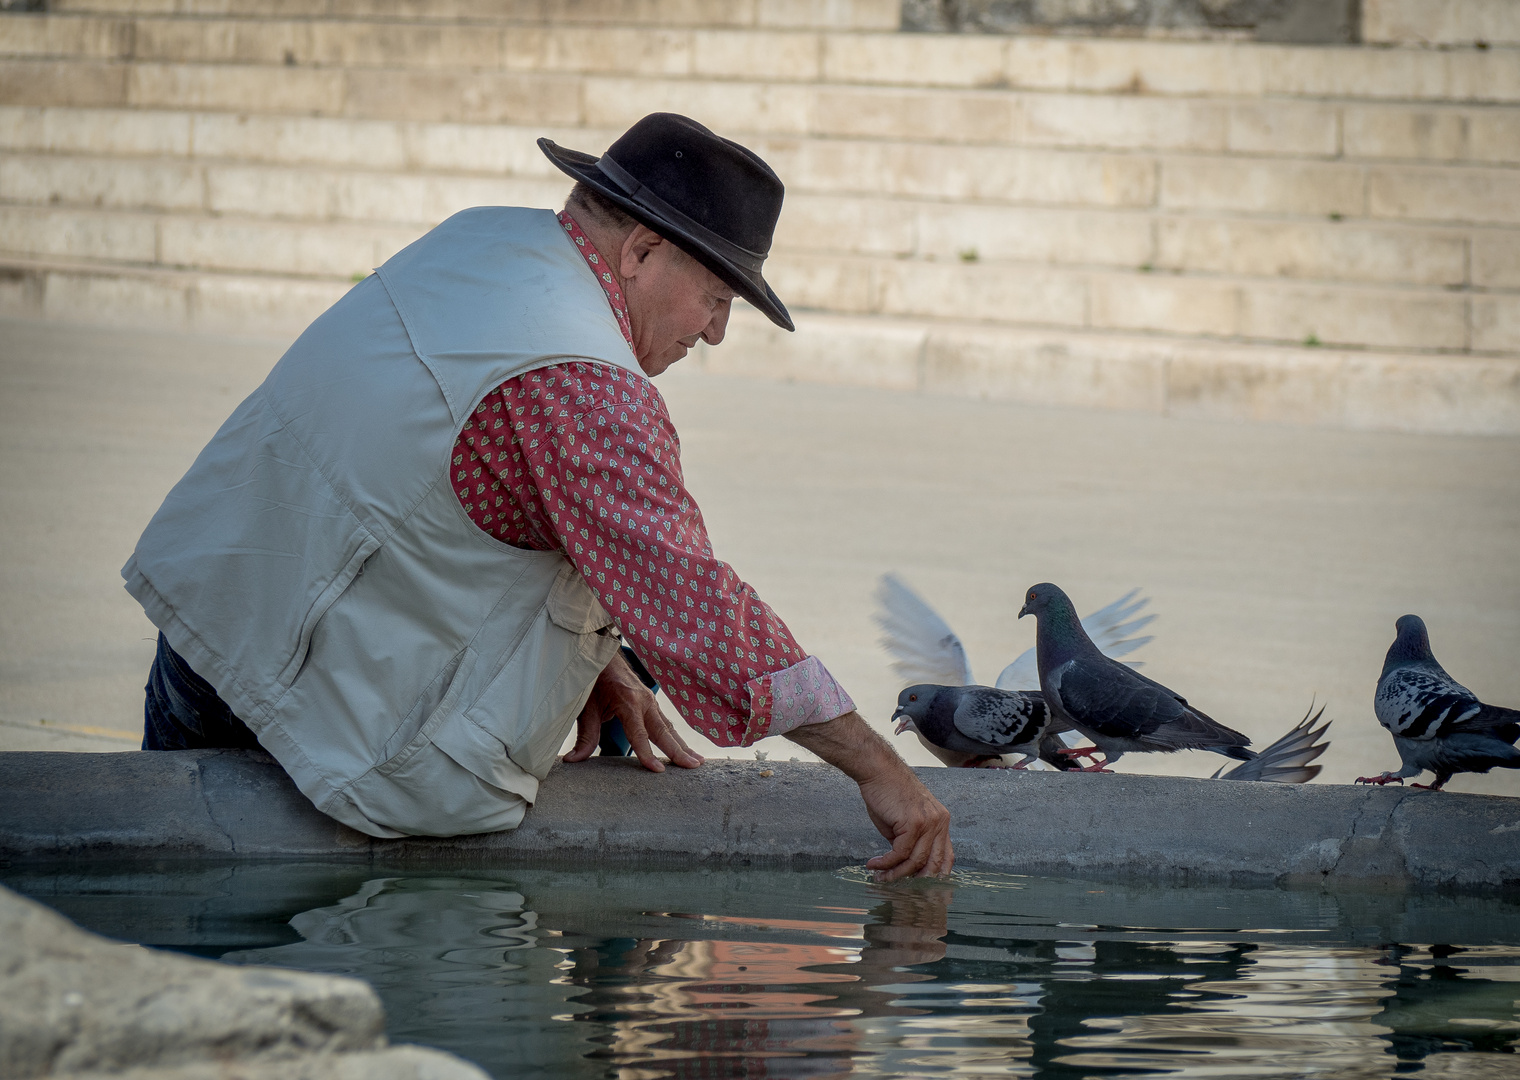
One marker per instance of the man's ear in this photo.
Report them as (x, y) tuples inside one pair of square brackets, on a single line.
[(637, 246)]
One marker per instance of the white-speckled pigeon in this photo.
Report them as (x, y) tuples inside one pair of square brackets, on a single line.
[(1116, 707), (979, 722), (926, 650), (1287, 760), (1436, 722)]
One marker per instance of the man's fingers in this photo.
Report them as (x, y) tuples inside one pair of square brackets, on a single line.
[(638, 738), (942, 861), (902, 849), (588, 732), (922, 850), (668, 739), (909, 864)]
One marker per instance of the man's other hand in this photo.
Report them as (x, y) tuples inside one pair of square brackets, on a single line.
[(902, 809), (618, 694)]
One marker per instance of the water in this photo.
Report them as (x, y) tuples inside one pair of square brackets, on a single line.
[(656, 973)]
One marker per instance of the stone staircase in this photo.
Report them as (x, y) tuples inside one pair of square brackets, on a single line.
[(1316, 234)]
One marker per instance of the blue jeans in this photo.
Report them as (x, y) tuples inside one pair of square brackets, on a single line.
[(183, 712)]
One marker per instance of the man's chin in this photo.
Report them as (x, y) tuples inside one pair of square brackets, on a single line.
[(656, 365)]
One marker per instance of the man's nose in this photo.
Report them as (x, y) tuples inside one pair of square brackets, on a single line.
[(713, 334)]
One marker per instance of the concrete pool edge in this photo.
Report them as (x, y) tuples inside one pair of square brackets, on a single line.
[(239, 804)]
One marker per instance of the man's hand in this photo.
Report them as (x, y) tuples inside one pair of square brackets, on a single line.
[(618, 694), (901, 808)]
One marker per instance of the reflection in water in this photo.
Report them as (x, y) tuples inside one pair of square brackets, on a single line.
[(682, 974)]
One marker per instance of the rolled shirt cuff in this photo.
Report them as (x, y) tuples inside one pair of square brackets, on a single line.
[(804, 693)]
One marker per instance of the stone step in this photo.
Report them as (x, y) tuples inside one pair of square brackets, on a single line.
[(959, 120), (1368, 389), (1441, 22), (86, 291), (1218, 306), (1363, 389), (845, 14), (1134, 69), (899, 228), (1024, 176)]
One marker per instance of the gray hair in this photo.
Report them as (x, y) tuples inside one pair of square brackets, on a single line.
[(602, 210)]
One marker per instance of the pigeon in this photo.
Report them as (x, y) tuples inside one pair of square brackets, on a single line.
[(926, 650), (1287, 760), (980, 722), (1436, 722), (1115, 706)]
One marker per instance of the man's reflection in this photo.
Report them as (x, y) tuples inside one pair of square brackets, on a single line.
[(705, 1007)]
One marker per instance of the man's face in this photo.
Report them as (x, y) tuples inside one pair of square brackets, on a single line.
[(673, 300)]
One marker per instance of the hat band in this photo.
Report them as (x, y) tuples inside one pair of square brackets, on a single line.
[(635, 190)]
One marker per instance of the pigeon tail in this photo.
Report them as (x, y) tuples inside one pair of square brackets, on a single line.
[(1496, 721), (1286, 761)]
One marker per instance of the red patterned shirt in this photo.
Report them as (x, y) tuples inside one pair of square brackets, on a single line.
[(582, 458)]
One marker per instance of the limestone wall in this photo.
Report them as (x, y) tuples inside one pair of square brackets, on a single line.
[(1322, 234)]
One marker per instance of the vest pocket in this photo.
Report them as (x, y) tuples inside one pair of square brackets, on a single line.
[(531, 704), (445, 688), (462, 664), (574, 606), (319, 607)]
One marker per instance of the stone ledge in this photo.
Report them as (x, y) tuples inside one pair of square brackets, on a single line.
[(228, 804)]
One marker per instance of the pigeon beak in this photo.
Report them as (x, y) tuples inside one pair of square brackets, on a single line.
[(1023, 611), (903, 720)]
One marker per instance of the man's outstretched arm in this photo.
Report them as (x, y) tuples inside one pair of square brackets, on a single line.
[(901, 808)]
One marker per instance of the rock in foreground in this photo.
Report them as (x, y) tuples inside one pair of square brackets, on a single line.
[(76, 1004)]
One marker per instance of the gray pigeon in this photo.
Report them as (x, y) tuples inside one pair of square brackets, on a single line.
[(1436, 722), (1115, 706), (1287, 760), (980, 722), (927, 650)]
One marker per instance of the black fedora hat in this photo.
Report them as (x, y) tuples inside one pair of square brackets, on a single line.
[(711, 197)]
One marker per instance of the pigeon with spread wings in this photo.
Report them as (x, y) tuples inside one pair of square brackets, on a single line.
[(926, 650)]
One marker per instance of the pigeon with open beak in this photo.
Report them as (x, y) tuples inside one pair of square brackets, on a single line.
[(980, 722)]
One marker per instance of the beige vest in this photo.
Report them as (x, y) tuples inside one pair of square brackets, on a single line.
[(412, 674)]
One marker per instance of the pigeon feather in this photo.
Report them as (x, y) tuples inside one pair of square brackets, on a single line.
[(1287, 760), (924, 648)]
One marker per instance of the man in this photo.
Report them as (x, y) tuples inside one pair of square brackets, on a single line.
[(403, 564)]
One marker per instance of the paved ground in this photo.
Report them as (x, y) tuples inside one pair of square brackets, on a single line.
[(1277, 557)]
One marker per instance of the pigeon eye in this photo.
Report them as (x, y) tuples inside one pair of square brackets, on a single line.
[(912, 697)]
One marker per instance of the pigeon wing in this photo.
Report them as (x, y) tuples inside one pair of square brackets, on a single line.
[(1113, 700), (923, 647), (1494, 721), (1106, 627), (1417, 703), (1109, 630), (1000, 717)]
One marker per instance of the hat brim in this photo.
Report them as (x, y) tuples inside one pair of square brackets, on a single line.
[(750, 285)]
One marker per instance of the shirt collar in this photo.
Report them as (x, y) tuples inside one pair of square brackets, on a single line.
[(603, 274)]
